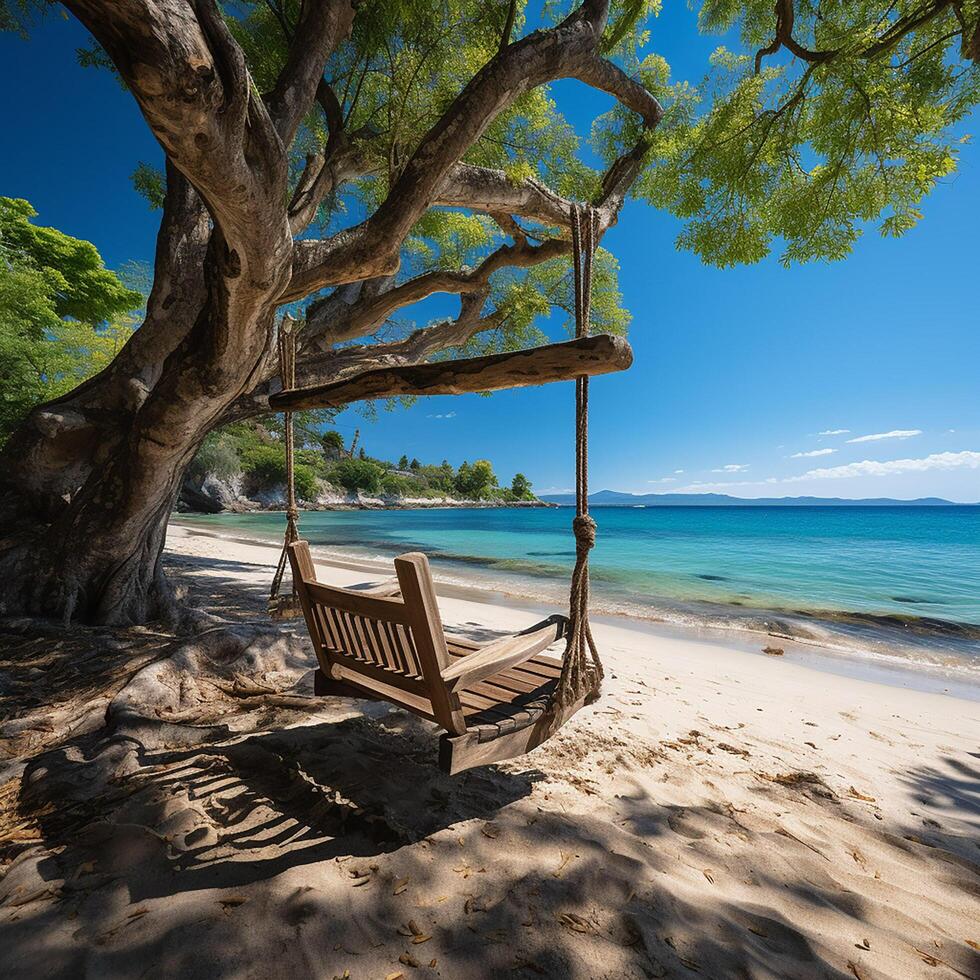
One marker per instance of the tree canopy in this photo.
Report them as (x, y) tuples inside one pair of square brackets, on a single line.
[(63, 315)]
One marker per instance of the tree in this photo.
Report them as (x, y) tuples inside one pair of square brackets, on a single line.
[(403, 462), (372, 155), (445, 478), (477, 480), (414, 465), (61, 312), (520, 487), (332, 443), (358, 474)]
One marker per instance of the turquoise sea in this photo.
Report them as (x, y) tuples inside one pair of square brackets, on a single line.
[(902, 578)]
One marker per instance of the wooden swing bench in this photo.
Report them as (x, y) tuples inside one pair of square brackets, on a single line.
[(493, 699)]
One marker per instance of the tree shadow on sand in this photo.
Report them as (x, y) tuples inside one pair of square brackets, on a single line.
[(241, 812)]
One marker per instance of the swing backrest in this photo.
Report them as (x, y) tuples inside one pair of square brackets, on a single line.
[(394, 648)]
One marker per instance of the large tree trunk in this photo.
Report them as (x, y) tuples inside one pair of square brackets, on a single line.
[(89, 481)]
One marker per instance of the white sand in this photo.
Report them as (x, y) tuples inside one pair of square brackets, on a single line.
[(717, 813)]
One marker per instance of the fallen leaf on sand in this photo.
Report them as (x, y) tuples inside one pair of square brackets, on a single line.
[(861, 796), (707, 875), (773, 651), (490, 830), (565, 858), (232, 901), (400, 885), (416, 940), (864, 944), (927, 958), (408, 960), (394, 976), (574, 922), (853, 968)]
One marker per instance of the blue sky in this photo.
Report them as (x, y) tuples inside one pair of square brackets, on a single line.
[(740, 375)]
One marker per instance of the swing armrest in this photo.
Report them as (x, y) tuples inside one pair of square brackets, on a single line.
[(506, 652)]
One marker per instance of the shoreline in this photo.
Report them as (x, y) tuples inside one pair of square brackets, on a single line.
[(355, 502), (818, 653)]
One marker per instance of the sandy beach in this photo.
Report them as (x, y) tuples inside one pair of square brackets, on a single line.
[(718, 813)]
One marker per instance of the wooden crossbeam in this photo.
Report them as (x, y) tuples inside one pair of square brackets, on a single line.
[(601, 354)]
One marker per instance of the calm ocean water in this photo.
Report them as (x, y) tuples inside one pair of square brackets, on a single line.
[(873, 575)]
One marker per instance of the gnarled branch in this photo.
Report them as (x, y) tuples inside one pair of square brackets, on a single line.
[(371, 248), (331, 322), (417, 347), (591, 356), (321, 27)]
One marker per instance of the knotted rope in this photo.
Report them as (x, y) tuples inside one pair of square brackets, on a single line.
[(283, 605), (581, 672)]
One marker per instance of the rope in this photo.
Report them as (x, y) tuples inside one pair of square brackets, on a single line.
[(581, 672), (281, 604)]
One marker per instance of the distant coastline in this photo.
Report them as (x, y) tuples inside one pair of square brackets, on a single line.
[(618, 498)]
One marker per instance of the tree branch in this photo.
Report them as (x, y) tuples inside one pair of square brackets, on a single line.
[(372, 248), (786, 15), (591, 356), (189, 77), (508, 30), (344, 157), (419, 346), (331, 322), (322, 25)]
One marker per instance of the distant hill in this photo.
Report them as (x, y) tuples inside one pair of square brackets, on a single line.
[(616, 498)]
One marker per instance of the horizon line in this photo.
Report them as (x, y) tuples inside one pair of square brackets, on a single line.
[(730, 496)]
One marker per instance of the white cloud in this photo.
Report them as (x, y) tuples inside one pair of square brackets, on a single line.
[(813, 452), (834, 432), (870, 467), (732, 468), (894, 434), (664, 479), (678, 472), (447, 415)]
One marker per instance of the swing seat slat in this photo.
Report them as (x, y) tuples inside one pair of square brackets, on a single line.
[(494, 700)]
